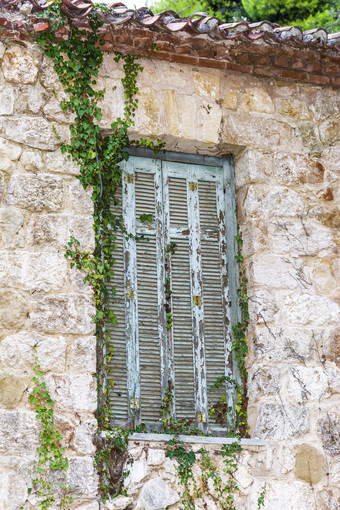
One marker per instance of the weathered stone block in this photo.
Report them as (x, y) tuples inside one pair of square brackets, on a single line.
[(330, 347), (281, 344), (36, 192), (231, 99), (48, 76), (256, 100), (35, 132), (330, 131), (275, 272), (293, 109), (310, 464), (13, 310), (54, 112), (81, 227), (82, 355), (302, 384), (31, 161), (281, 421), (17, 355), (263, 381), (188, 117), (9, 150), (13, 490), (329, 430), (311, 310), (73, 393), (82, 477), (209, 118), (282, 495), (58, 162), (11, 227), (11, 390), (51, 230), (6, 100), (19, 432), (297, 169), (156, 495), (309, 134), (44, 272), (30, 98), (326, 276), (80, 199), (252, 166), (83, 438), (207, 84), (148, 112), (19, 65), (171, 111), (63, 314)]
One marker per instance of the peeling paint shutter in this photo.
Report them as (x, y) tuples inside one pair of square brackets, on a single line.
[(185, 242)]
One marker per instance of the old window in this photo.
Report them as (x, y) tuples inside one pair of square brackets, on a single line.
[(173, 299)]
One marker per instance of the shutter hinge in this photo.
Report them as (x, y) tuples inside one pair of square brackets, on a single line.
[(193, 186), (131, 293), (128, 178), (201, 418), (134, 403), (197, 300)]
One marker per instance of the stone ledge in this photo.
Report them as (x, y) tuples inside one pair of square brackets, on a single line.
[(136, 436)]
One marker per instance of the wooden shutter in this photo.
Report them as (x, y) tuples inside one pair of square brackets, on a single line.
[(183, 250)]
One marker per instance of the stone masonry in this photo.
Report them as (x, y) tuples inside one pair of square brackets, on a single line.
[(285, 137)]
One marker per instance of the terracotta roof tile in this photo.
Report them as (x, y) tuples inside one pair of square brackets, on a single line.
[(169, 21)]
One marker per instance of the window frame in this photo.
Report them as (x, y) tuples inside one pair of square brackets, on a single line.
[(226, 164)]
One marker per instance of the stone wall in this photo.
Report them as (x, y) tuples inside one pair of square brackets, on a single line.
[(286, 142)]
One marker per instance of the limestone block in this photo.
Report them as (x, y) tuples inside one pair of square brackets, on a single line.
[(138, 472), (281, 344), (156, 495), (326, 276), (17, 356), (112, 105), (209, 118), (35, 132), (310, 464), (82, 355), (155, 457), (328, 498), (6, 100), (60, 163), (93, 505), (81, 227), (11, 390), (11, 227), (176, 76), (36, 192), (43, 271), (19, 432), (302, 384), (330, 159), (231, 99), (309, 136), (252, 166), (80, 199), (256, 100), (329, 431), (62, 314), (297, 169), (83, 438), (13, 490), (9, 150), (282, 201), (82, 477), (148, 112), (2, 49), (326, 104), (31, 161), (207, 84), (13, 310), (73, 393), (331, 347), (276, 272), (51, 230), (2, 184), (119, 503), (282, 495), (53, 111), (263, 381), (171, 111), (281, 421), (19, 65), (330, 131), (262, 307), (48, 76), (188, 114), (307, 237), (292, 108), (311, 310), (110, 67), (30, 98)]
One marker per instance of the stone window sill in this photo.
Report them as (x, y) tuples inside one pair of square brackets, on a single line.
[(136, 436)]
